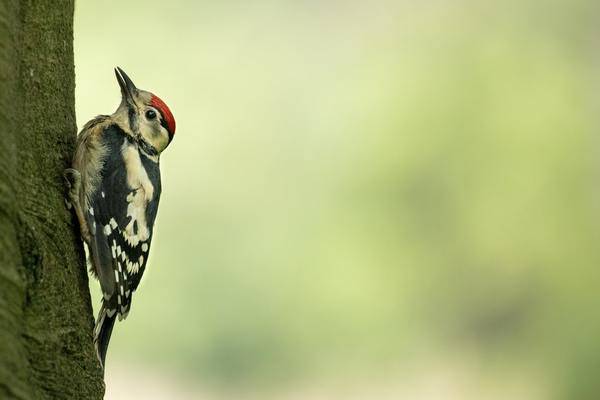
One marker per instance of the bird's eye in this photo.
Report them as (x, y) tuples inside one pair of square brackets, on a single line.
[(150, 114)]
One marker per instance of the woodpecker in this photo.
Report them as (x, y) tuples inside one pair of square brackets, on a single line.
[(114, 188)]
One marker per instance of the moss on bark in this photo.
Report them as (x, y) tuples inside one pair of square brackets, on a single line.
[(46, 319)]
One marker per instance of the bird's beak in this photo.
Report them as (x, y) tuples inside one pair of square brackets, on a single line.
[(128, 89)]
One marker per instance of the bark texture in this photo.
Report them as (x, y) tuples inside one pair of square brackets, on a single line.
[(46, 320)]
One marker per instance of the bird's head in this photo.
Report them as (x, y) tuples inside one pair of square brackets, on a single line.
[(148, 119)]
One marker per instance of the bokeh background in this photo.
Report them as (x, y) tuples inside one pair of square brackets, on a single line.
[(363, 200)]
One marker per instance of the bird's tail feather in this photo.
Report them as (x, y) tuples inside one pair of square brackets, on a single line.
[(103, 330)]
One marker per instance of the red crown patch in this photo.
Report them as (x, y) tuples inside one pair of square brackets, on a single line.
[(166, 113)]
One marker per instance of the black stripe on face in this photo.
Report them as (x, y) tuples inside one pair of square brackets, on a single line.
[(147, 147), (163, 123)]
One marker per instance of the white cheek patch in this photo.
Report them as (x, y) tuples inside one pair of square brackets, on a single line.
[(155, 134)]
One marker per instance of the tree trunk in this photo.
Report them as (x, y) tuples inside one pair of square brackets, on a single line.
[(46, 320)]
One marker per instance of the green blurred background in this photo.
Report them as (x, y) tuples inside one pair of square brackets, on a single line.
[(363, 200)]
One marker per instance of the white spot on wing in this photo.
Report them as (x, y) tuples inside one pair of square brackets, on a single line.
[(91, 210), (107, 230), (127, 238), (110, 313), (133, 268), (102, 194), (113, 223), (144, 247), (117, 276)]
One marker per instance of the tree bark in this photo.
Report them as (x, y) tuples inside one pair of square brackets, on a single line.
[(46, 320)]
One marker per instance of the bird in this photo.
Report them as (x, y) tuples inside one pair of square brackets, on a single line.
[(114, 188)]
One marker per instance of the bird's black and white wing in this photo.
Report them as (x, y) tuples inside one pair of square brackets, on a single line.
[(122, 212)]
